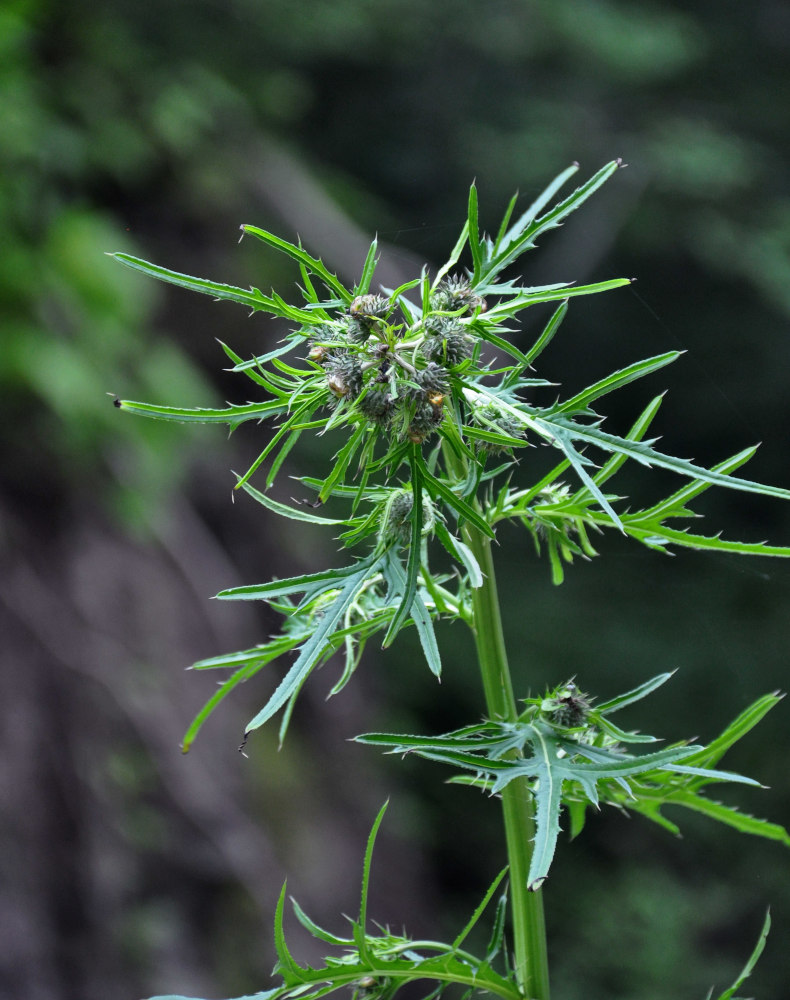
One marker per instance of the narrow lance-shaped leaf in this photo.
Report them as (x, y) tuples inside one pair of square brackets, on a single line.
[(615, 462), (454, 255), (461, 553), (659, 535), (363, 901), (693, 489), (437, 487), (294, 513), (419, 614), (636, 694), (528, 217), (753, 958), (367, 269), (524, 233), (575, 200), (459, 940), (265, 995), (474, 236), (548, 333), (342, 461), (645, 454), (239, 677), (252, 297), (286, 966), (737, 729), (564, 442), (616, 380), (510, 306), (231, 415), (303, 257)]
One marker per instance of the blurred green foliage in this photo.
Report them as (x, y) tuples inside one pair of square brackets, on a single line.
[(144, 127)]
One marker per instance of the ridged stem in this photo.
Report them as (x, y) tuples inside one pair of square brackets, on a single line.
[(529, 929)]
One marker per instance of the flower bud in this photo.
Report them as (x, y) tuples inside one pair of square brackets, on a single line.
[(426, 418), (343, 375), (567, 707), (431, 379), (366, 309), (396, 517), (489, 417), (449, 345), (455, 293), (376, 404)]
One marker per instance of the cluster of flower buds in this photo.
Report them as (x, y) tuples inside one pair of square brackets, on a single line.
[(397, 376)]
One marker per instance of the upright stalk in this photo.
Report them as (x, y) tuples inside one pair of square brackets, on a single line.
[(529, 930)]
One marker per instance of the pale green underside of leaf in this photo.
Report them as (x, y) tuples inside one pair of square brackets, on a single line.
[(313, 649)]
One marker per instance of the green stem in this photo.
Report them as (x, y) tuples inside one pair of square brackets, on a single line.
[(529, 930)]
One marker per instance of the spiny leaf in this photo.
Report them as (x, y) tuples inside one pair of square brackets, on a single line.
[(286, 966), (266, 995), (478, 911), (452, 260), (660, 535), (309, 583), (636, 433), (645, 454), (252, 298), (737, 729), (582, 400), (461, 553), (474, 237), (363, 287), (363, 904), (294, 513), (526, 230), (232, 415), (729, 815), (548, 332), (749, 967), (688, 492), (437, 487), (510, 306), (311, 651), (506, 240), (636, 694), (563, 767), (241, 675), (303, 257)]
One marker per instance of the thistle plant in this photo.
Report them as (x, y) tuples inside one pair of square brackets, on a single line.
[(439, 415)]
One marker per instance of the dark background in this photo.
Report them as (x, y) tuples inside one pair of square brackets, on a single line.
[(157, 128)]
